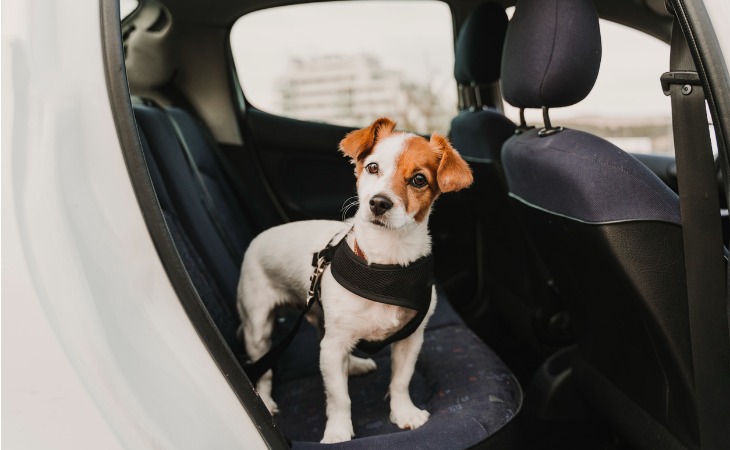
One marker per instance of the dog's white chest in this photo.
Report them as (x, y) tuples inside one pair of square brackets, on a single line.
[(384, 320), (358, 317)]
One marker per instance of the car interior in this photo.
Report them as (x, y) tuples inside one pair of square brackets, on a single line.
[(563, 317)]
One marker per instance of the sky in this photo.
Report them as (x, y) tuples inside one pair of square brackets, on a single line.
[(416, 37)]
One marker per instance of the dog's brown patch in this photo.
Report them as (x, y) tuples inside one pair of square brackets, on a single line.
[(438, 162), (359, 144), (417, 157)]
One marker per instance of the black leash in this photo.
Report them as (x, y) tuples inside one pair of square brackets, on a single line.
[(320, 261)]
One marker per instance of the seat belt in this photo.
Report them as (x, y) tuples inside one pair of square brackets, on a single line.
[(703, 246)]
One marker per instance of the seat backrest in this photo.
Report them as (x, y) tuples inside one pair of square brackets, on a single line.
[(221, 309), (516, 282), (231, 219), (210, 228), (608, 229)]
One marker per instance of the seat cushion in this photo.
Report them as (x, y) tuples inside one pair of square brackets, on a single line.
[(468, 390)]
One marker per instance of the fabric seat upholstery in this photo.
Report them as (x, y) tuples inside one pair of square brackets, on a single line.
[(468, 390), (220, 308), (608, 229)]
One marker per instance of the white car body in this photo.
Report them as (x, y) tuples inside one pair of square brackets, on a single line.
[(97, 351)]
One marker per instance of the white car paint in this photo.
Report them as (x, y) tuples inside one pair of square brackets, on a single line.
[(97, 351)]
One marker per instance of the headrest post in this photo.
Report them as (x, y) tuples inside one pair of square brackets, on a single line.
[(462, 100), (471, 100), (477, 95), (549, 130), (546, 117), (523, 123)]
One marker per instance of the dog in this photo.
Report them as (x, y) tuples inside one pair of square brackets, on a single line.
[(399, 176)]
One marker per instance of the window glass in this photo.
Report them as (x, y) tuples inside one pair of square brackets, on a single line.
[(348, 63), (627, 105)]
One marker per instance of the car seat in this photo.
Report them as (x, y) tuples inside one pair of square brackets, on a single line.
[(608, 229)]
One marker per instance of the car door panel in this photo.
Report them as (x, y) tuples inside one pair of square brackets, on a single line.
[(302, 164)]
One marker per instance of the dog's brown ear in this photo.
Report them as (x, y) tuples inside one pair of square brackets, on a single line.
[(453, 173), (359, 143)]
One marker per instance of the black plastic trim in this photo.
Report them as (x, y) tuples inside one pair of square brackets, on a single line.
[(121, 105)]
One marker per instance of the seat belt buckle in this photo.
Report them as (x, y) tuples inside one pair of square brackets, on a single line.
[(686, 78)]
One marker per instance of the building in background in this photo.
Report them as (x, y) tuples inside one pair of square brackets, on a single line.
[(354, 90)]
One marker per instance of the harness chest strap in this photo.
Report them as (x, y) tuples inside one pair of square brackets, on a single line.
[(405, 286)]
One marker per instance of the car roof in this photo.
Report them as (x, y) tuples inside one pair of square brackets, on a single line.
[(649, 16)]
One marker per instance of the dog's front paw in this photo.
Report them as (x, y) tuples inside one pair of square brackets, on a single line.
[(408, 417), (361, 366), (337, 432)]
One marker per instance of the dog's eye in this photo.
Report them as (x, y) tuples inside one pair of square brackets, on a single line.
[(372, 168), (419, 180)]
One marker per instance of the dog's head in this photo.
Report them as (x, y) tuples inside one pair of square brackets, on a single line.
[(399, 175)]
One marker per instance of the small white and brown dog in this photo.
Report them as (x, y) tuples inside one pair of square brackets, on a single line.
[(399, 175)]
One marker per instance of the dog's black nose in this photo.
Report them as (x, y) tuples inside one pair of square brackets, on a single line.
[(379, 204)]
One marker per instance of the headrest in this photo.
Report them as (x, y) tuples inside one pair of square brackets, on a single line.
[(552, 53), (479, 45)]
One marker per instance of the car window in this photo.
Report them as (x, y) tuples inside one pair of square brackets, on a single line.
[(626, 106), (348, 63)]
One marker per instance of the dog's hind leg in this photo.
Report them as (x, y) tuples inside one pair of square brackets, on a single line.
[(256, 306)]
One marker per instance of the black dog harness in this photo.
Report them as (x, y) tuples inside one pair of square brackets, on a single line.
[(406, 286)]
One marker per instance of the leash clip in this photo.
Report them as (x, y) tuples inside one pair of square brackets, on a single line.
[(315, 279)]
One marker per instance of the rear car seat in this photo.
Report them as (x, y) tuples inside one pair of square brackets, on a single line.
[(468, 390)]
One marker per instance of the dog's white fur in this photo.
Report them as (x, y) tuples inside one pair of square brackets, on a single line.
[(277, 267)]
